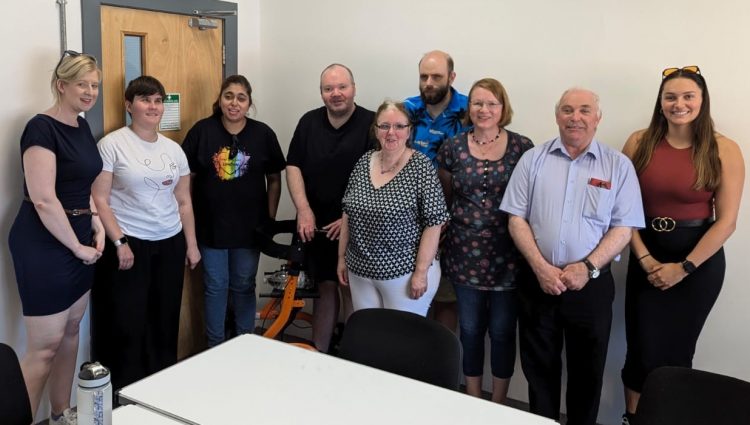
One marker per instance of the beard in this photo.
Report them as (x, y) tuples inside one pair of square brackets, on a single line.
[(435, 95)]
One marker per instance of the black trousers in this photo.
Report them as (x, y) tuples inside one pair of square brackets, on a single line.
[(662, 327), (582, 319), (135, 313)]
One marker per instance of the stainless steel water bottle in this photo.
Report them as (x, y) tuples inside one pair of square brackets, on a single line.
[(94, 395)]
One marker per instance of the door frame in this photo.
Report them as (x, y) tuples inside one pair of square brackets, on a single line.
[(92, 36)]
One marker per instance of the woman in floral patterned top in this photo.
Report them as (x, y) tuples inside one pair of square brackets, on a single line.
[(479, 257), (393, 211)]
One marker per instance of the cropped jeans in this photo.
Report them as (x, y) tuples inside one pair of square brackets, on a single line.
[(480, 311)]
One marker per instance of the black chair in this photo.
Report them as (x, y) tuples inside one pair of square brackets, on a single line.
[(403, 343), (15, 408), (678, 395)]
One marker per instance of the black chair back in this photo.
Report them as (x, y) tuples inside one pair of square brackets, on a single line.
[(403, 343), (15, 408), (684, 396)]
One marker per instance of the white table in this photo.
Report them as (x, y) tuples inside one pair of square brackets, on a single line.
[(136, 415), (252, 379)]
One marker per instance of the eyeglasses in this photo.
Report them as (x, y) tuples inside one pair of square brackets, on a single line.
[(693, 69), (489, 105), (73, 54), (233, 150), (396, 127)]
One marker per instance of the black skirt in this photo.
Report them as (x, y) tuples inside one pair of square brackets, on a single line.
[(662, 327)]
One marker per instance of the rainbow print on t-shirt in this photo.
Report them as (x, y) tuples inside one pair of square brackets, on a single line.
[(230, 168)]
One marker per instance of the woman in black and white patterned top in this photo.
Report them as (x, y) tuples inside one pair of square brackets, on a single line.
[(393, 211)]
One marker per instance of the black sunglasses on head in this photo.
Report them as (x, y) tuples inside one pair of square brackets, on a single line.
[(73, 54)]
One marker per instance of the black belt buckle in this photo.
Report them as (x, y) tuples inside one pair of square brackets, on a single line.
[(663, 224)]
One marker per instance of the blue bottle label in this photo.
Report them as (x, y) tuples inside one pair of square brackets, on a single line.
[(98, 407)]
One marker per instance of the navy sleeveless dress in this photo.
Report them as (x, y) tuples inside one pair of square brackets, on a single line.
[(50, 278)]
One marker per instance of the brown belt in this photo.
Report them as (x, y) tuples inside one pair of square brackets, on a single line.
[(75, 212)]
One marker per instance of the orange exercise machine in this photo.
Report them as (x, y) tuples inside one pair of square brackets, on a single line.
[(290, 284)]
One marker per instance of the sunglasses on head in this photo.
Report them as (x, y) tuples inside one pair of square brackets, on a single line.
[(693, 69), (72, 54)]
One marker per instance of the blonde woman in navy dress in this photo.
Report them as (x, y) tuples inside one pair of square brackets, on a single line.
[(51, 239)]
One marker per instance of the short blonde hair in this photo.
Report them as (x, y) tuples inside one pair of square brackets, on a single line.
[(72, 67)]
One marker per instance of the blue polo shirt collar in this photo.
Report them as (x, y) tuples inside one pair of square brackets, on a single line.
[(457, 103)]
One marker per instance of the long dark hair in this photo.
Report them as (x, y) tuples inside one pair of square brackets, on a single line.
[(705, 147)]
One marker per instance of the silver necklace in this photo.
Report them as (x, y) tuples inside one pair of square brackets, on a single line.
[(384, 170)]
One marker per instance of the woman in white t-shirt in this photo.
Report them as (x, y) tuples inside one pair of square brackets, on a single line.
[(143, 199)]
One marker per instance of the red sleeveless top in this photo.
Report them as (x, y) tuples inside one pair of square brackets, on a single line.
[(667, 186)]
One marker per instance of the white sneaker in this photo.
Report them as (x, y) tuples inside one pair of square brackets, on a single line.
[(69, 417)]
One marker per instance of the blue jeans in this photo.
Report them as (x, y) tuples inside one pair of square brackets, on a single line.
[(226, 270), (478, 312)]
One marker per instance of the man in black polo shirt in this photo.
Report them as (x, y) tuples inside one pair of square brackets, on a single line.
[(326, 144)]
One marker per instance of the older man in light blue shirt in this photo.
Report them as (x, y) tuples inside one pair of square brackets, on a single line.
[(573, 203)]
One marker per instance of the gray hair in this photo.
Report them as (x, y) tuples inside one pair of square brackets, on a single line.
[(582, 89)]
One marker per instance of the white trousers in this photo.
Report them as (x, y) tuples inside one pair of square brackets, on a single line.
[(393, 293)]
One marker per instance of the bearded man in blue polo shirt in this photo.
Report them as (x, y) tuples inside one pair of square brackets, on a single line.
[(573, 203), (437, 114), (438, 111)]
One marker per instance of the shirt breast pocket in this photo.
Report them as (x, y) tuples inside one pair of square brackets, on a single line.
[(596, 203)]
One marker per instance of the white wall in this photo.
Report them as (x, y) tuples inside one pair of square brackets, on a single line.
[(536, 48), (34, 42), (33, 49)]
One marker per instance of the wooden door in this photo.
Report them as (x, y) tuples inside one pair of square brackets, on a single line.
[(188, 61)]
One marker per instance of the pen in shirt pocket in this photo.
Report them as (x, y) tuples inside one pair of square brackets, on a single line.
[(600, 183)]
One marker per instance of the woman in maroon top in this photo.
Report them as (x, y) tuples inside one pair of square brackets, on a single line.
[(691, 179)]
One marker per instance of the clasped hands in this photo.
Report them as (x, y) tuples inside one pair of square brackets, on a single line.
[(554, 280), (90, 254), (662, 275)]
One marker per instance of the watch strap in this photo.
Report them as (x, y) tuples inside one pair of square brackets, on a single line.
[(593, 270), (122, 241), (589, 265), (688, 266)]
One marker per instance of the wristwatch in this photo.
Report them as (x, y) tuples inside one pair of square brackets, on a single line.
[(122, 241), (593, 271), (688, 266)]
